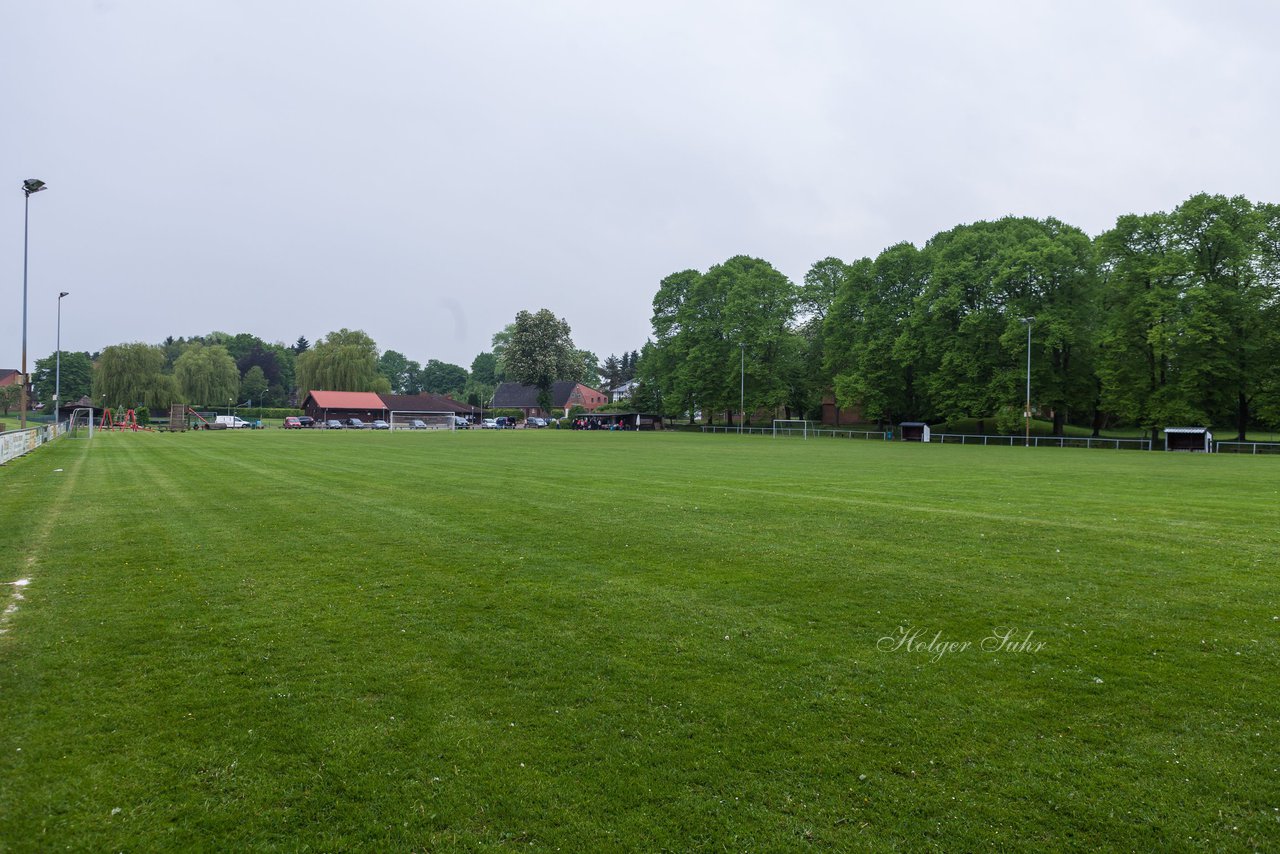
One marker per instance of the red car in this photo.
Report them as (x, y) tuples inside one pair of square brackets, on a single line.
[(292, 423)]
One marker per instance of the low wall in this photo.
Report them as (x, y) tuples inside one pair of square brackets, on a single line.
[(15, 443)]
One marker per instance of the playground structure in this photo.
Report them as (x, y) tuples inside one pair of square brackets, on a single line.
[(128, 422)]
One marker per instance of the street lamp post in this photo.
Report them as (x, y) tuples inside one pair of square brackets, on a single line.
[(1026, 414), (29, 186), (57, 371)]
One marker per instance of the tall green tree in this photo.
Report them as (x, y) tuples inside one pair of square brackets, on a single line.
[(207, 375), (132, 375), (862, 332), (10, 396), (498, 346), (611, 373), (346, 360), (254, 385), (1047, 272), (439, 377), (282, 387), (76, 379), (398, 370), (668, 370), (759, 308), (588, 372), (540, 352), (965, 338), (1230, 292), (484, 369), (725, 337), (483, 379), (1142, 318)]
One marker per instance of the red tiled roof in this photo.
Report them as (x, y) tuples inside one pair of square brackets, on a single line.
[(347, 400)]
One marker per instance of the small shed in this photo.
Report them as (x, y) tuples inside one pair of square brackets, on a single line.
[(913, 431), (1197, 439)]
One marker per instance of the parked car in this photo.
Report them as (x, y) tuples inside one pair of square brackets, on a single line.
[(505, 422), (417, 424), (533, 421), (379, 424), (460, 423), (355, 424), (489, 424), (306, 421), (333, 424), (292, 423), (234, 422)]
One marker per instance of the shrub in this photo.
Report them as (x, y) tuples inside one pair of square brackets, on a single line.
[(1010, 421)]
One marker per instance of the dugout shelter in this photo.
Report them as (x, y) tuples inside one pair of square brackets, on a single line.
[(1197, 439), (617, 421), (913, 431)]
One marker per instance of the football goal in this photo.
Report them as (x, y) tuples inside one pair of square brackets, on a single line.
[(81, 419), (413, 420), (792, 427)]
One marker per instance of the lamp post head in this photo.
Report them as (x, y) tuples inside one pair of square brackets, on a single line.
[(63, 294), (32, 185), (1028, 320)]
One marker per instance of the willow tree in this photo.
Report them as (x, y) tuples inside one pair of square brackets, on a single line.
[(132, 375), (206, 375), (346, 360)]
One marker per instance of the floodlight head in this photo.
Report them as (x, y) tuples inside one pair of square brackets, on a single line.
[(1028, 320), (32, 185), (63, 294)]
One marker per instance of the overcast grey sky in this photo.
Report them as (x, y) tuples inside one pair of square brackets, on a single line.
[(424, 170)]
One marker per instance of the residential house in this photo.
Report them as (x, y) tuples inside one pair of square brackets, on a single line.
[(565, 395)]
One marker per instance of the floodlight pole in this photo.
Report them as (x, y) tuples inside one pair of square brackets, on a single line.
[(742, 383), (57, 371), (29, 186), (1026, 414)]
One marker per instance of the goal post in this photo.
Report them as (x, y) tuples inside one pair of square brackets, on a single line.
[(791, 427), (408, 419), (81, 417)]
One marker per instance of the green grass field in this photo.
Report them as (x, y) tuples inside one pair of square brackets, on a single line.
[(546, 640)]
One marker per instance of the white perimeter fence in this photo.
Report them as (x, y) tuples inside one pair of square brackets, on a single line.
[(957, 438), (796, 431), (15, 443), (1045, 441), (1247, 447)]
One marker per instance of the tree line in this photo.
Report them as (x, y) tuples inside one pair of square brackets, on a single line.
[(1167, 318), (221, 369)]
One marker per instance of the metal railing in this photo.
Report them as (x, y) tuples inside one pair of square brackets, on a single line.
[(794, 431), (745, 431), (1246, 447), (1045, 441), (850, 434)]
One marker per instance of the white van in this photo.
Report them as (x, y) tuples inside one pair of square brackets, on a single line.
[(232, 421)]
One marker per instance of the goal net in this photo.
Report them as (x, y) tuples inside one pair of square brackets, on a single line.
[(790, 427), (414, 420)]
